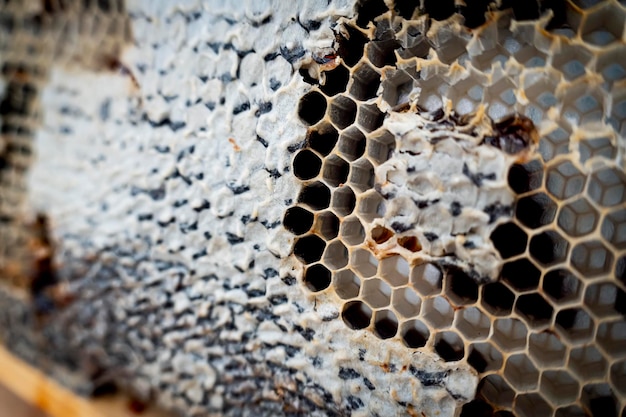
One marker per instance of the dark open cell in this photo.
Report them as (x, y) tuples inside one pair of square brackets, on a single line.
[(536, 210), (534, 308), (336, 170), (526, 10), (521, 274), (369, 117), (356, 315), (342, 112), (385, 324), (477, 408), (368, 10), (312, 107), (498, 299), (381, 53), (336, 81), (350, 48), (315, 195), (562, 285), (323, 139), (309, 248), (298, 220), (460, 288), (405, 8), (416, 335), (365, 82), (509, 240), (449, 346), (474, 12), (306, 165), (439, 9), (317, 277), (548, 247), (526, 177), (352, 143)]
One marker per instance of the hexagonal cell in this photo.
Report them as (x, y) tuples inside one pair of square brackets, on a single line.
[(547, 350), (322, 138), (376, 292), (461, 289), (410, 243), (370, 206), (438, 312), (571, 61), (535, 310), (578, 218), (600, 400), (520, 372), (612, 337), (362, 175), (317, 277), (381, 234), (564, 180), (587, 362), (554, 143), (298, 220), (509, 240), (327, 225), (449, 346), (535, 210), (347, 284), (426, 278), (592, 259), (494, 389), (596, 148), (370, 117), (559, 387), (510, 334), (356, 315), (335, 170), (614, 228), (385, 324), (364, 262), (603, 25), (342, 111), (309, 248), (620, 269), (335, 255), (617, 374), (562, 285), (350, 47), (315, 195), (532, 405), (605, 299), (406, 302), (397, 87), (351, 231), (497, 299), (548, 248), (395, 270), (484, 357), (380, 146), (415, 334), (306, 165), (473, 323), (335, 80), (521, 275), (575, 324), (607, 187), (365, 81), (343, 201), (476, 407), (352, 143), (312, 107), (570, 411)]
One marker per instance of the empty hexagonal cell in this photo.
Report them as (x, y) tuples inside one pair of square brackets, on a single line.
[(370, 117), (570, 411), (614, 228), (397, 87), (607, 187), (362, 175), (380, 146), (381, 52), (617, 374), (620, 269), (342, 111), (335, 255), (564, 180), (449, 346), (554, 143), (497, 299), (415, 334), (535, 210), (312, 107), (426, 278), (370, 206), (612, 337), (406, 302), (600, 400), (605, 299), (306, 165), (322, 138), (562, 285), (381, 234), (365, 82), (596, 147), (352, 143), (350, 47), (521, 275), (494, 389), (309, 248), (315, 195), (571, 61), (473, 323), (351, 231), (364, 262), (460, 287), (510, 334), (335, 80), (559, 387), (298, 220), (509, 240), (587, 362), (343, 201), (395, 270), (548, 248), (547, 350), (356, 315), (578, 218), (438, 312), (520, 372), (376, 292), (603, 25), (575, 324), (317, 277), (592, 259), (534, 309), (336, 170), (385, 324), (327, 225), (532, 405), (484, 357), (347, 284)]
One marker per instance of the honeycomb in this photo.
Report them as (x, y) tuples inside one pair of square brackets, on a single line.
[(537, 104)]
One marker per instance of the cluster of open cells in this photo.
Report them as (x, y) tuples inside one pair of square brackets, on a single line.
[(548, 336)]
